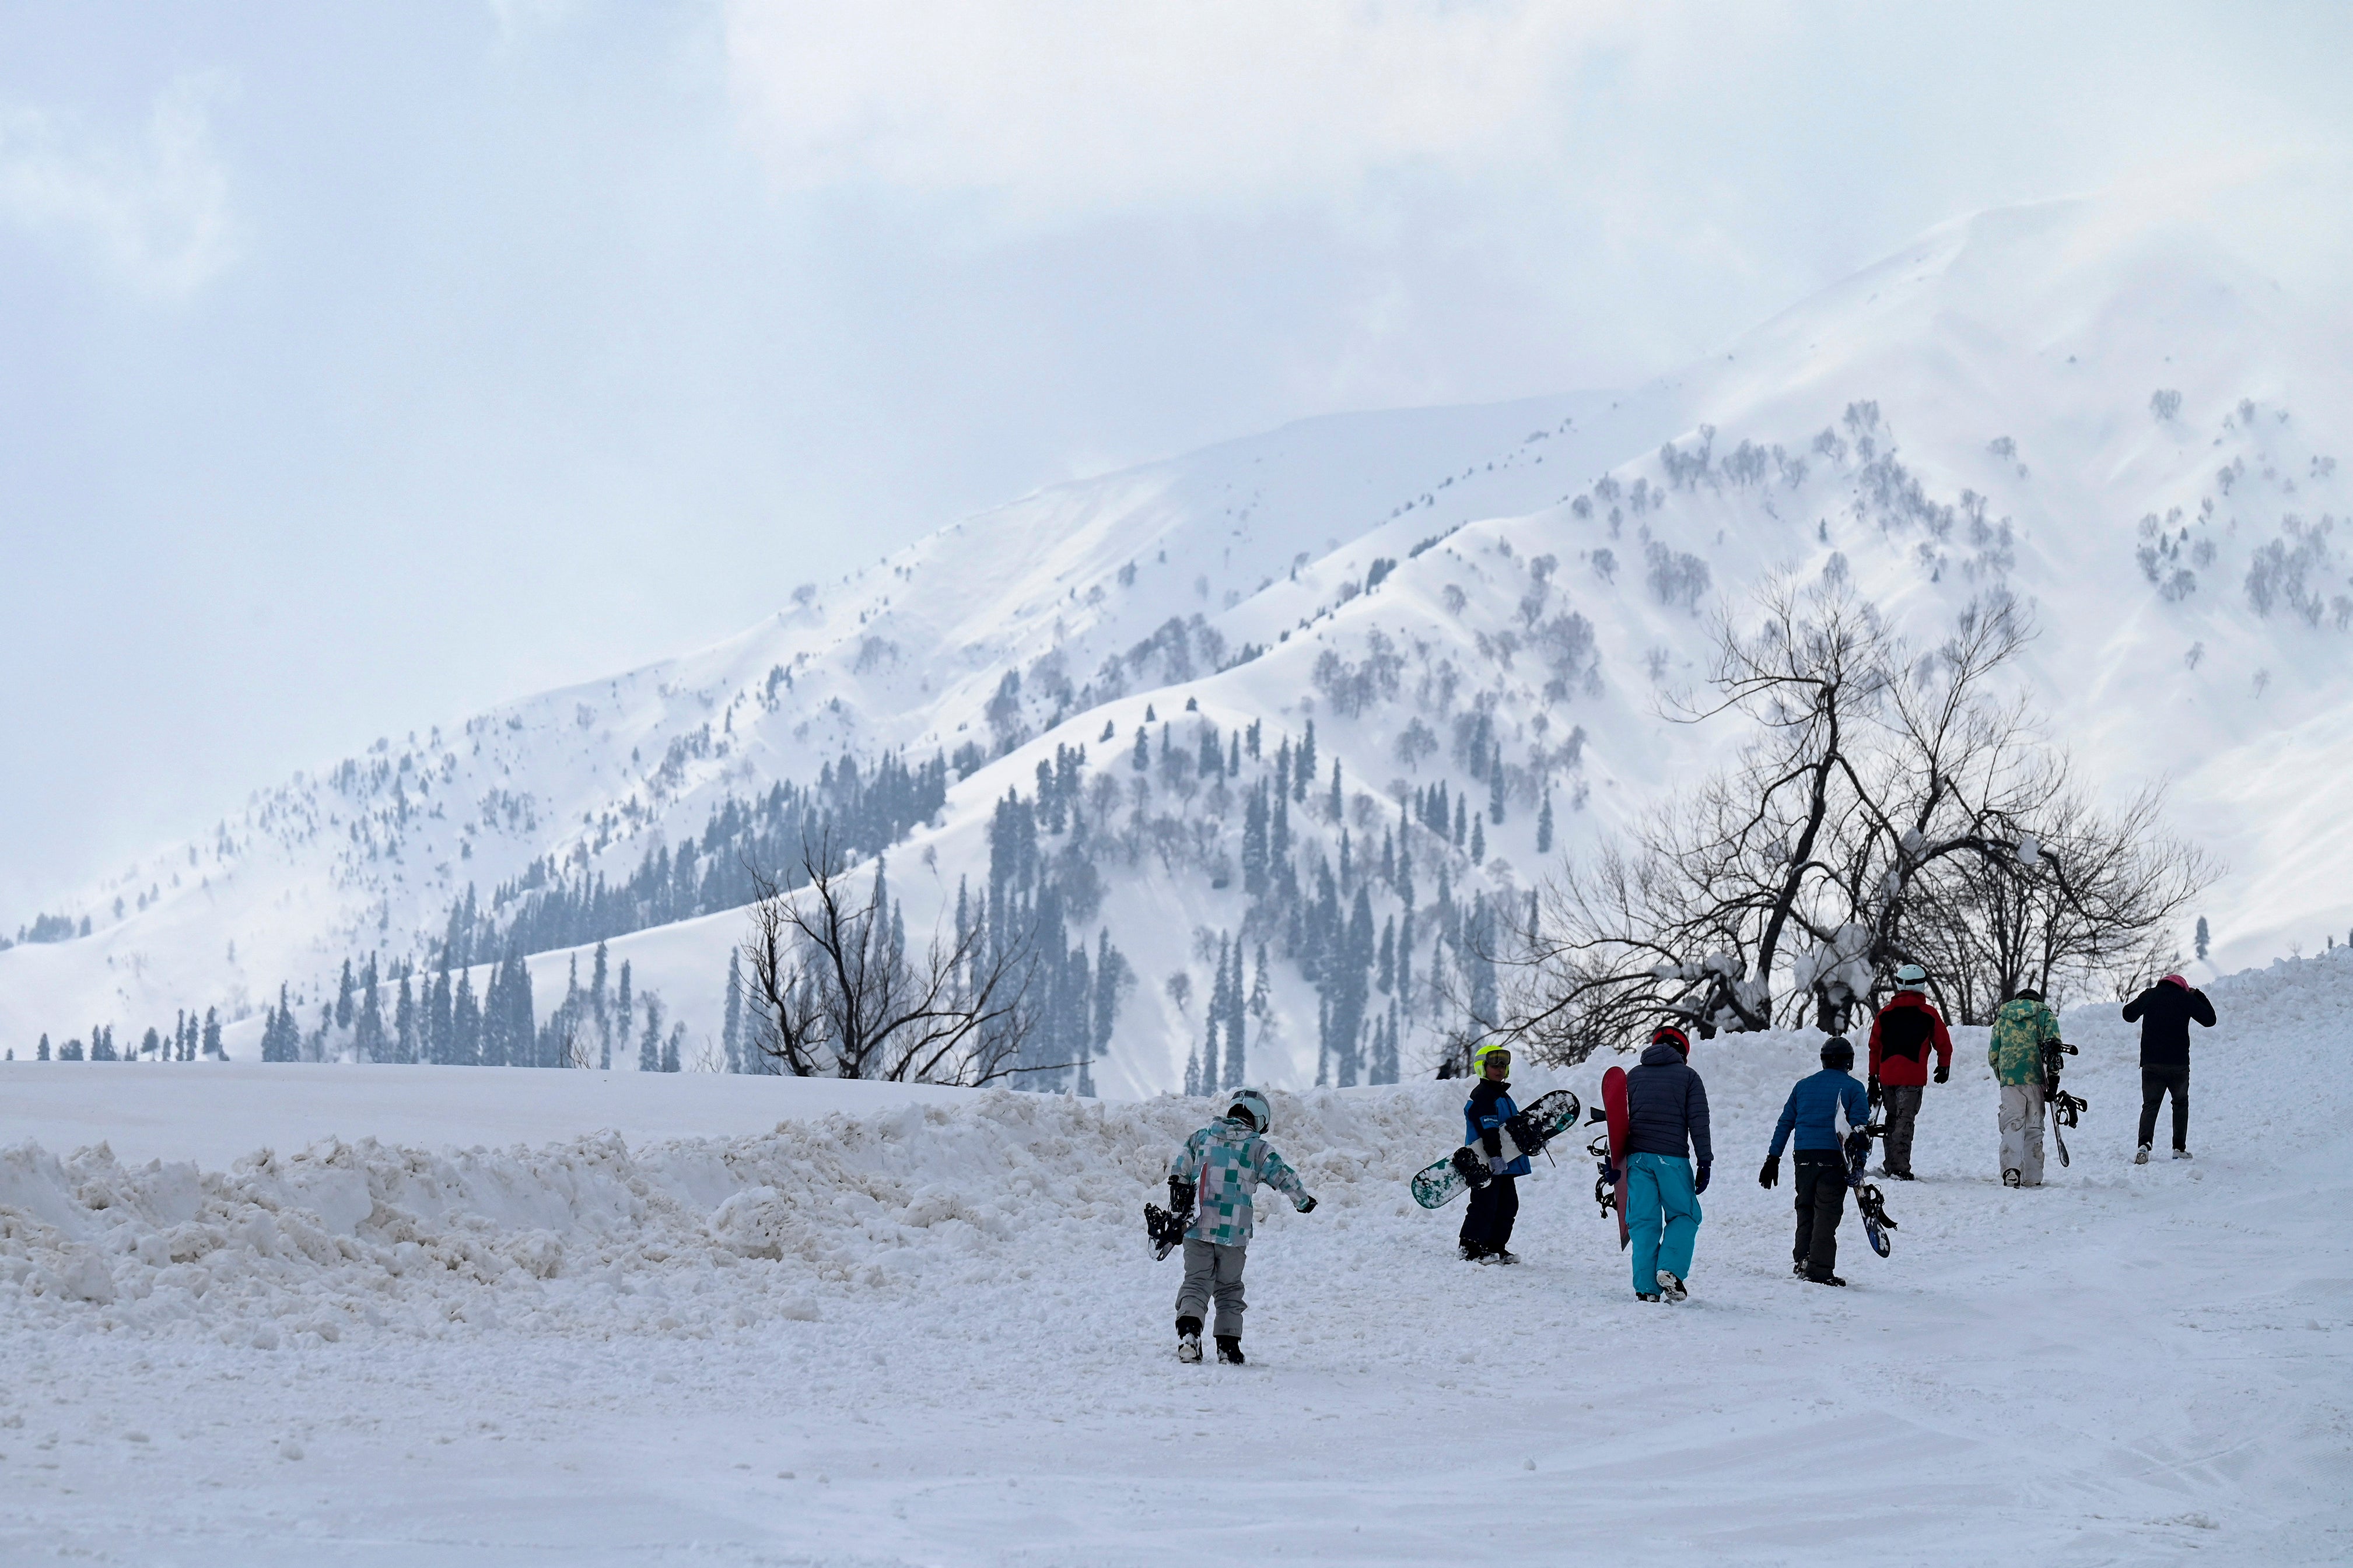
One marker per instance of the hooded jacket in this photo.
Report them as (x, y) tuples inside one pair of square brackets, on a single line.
[(1225, 1161), (1666, 1108), (2163, 1012), (1901, 1037), (2014, 1046)]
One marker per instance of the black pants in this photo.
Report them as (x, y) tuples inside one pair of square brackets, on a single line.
[(2154, 1084), (1821, 1200), (1487, 1227)]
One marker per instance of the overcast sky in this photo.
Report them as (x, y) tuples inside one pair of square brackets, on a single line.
[(361, 367)]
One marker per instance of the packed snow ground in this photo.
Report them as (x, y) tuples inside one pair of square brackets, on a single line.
[(924, 1329)]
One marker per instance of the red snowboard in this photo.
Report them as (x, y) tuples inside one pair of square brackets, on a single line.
[(1613, 1105)]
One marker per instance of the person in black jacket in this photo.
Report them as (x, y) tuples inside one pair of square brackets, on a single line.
[(1666, 1125), (2164, 1011)]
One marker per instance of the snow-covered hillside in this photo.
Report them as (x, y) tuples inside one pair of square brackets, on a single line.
[(918, 1325), (2115, 408)]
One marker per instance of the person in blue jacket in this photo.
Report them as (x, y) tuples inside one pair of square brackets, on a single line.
[(1487, 1227), (1666, 1124), (1825, 1111)]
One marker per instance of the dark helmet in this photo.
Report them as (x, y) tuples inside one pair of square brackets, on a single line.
[(1838, 1051), (1670, 1035), (2028, 994)]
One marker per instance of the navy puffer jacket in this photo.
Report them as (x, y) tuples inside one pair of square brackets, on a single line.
[(1666, 1107)]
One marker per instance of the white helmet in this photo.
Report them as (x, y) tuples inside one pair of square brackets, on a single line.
[(1252, 1104), (1911, 975)]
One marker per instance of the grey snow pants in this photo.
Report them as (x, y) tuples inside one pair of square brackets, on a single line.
[(1213, 1271), (1902, 1108), (2021, 1131)]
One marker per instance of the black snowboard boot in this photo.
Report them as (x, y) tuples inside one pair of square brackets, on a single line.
[(1188, 1338), (1673, 1289), (1229, 1350), (1823, 1279), (1472, 1252), (1646, 1295)]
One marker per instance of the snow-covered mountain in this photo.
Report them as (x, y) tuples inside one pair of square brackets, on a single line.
[(2129, 410)]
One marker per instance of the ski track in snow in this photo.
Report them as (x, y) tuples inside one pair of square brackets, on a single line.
[(928, 1332)]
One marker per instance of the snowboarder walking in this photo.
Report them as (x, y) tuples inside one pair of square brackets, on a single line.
[(1666, 1122), (2164, 1011), (1900, 1039), (1212, 1179), (2020, 1030), (1824, 1112), (1486, 1230)]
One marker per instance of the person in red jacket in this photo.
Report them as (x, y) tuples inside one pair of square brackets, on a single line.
[(1899, 1038)]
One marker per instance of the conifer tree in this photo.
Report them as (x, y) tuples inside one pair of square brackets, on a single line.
[(465, 1024), (404, 1022), (1543, 825), (367, 1019), (732, 1020), (343, 999), (41, 1053), (1303, 766), (1478, 841), (212, 1044), (650, 1046), (1495, 788)]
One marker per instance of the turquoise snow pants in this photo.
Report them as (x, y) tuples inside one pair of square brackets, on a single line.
[(1659, 1197)]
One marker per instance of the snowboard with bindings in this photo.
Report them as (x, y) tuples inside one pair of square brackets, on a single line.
[(1608, 1151), (2063, 1107), (1524, 1133), (1876, 1222), (1164, 1232)]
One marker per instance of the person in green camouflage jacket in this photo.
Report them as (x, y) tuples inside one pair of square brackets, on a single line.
[(1212, 1179), (2015, 1054)]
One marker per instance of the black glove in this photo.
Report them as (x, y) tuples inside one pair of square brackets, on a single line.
[(1944, 1073), (1307, 1205), (1857, 1142), (1870, 1092), (1611, 1175), (1180, 1196), (1701, 1185), (1771, 1176)]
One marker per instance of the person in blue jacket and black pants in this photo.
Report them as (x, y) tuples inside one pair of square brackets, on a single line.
[(1487, 1225), (1824, 1112), (1666, 1126)]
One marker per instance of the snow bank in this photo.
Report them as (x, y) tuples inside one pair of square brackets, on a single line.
[(919, 1191), (587, 1236)]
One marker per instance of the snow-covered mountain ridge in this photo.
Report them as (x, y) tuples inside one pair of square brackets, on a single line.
[(2109, 408)]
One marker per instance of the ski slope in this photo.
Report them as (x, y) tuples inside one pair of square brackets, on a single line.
[(897, 1327)]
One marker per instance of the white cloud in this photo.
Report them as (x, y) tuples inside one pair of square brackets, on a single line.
[(154, 212), (1066, 109)]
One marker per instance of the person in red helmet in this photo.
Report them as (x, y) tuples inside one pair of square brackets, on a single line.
[(1901, 1037)]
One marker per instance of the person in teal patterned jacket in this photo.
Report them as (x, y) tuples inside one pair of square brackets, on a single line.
[(1212, 1179), (2015, 1054)]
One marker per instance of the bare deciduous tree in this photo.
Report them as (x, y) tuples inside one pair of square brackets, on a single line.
[(1892, 808), (834, 993)]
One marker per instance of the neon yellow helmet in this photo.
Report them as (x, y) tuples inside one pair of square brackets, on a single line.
[(1491, 1048)]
